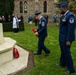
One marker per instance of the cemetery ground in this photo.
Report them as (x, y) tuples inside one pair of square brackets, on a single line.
[(42, 65)]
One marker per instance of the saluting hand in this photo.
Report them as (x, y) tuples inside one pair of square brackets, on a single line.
[(68, 43)]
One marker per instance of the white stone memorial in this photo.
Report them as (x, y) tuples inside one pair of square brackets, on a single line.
[(6, 46), (1, 34), (8, 64)]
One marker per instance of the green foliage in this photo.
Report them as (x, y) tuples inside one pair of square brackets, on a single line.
[(62, 0), (43, 65), (2, 6), (6, 7), (72, 5)]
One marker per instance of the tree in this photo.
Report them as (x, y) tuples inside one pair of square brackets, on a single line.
[(6, 7), (72, 5), (2, 6)]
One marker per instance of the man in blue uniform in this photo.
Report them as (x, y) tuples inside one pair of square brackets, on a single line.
[(42, 34), (66, 36)]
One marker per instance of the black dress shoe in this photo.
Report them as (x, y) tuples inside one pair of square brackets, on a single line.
[(47, 54), (58, 64), (36, 53), (69, 72)]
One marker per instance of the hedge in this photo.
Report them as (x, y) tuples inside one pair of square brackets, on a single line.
[(7, 26)]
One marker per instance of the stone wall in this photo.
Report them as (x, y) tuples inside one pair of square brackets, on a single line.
[(34, 5)]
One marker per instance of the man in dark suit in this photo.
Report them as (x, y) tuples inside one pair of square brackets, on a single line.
[(41, 33), (66, 36)]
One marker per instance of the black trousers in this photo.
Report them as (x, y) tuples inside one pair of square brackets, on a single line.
[(16, 30), (41, 46)]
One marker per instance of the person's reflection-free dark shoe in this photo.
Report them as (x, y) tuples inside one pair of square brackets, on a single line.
[(46, 54), (58, 64), (36, 53), (69, 72)]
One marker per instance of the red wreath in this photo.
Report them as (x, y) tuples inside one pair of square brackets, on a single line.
[(15, 53)]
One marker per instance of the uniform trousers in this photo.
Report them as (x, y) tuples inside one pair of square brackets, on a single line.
[(66, 58), (41, 45)]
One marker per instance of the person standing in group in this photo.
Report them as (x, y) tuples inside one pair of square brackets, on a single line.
[(15, 24), (54, 18), (46, 17), (30, 19), (36, 21), (42, 34), (3, 19), (66, 37), (0, 19)]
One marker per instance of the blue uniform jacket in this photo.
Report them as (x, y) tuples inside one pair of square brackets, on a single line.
[(67, 27), (42, 28)]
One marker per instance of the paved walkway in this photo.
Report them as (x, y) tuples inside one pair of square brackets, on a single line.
[(16, 64)]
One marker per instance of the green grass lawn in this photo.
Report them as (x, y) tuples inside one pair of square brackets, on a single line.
[(43, 65)]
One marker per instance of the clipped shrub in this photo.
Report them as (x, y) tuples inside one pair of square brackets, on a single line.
[(7, 26)]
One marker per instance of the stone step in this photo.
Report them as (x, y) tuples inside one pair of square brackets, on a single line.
[(7, 45), (16, 64), (6, 52)]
